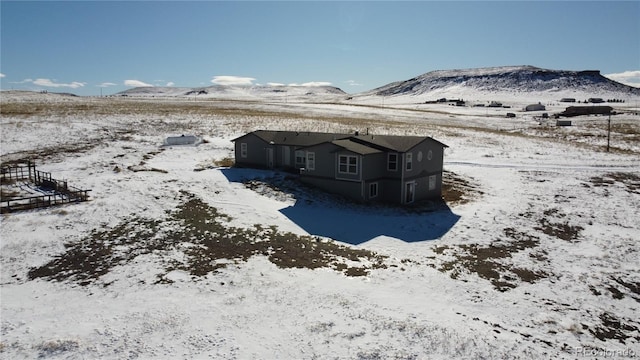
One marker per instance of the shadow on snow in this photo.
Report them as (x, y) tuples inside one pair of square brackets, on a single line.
[(328, 215)]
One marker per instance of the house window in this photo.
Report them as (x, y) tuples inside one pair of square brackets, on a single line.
[(373, 190), (300, 159), (432, 182), (243, 150), (348, 164), (392, 162), (429, 155), (311, 161), (409, 161)]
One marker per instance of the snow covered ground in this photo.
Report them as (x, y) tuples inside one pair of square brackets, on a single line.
[(541, 261)]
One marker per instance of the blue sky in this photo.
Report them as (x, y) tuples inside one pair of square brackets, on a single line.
[(89, 47)]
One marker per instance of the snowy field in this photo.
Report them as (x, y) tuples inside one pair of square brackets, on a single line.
[(178, 255)]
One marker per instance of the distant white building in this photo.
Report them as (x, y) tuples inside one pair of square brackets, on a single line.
[(182, 140)]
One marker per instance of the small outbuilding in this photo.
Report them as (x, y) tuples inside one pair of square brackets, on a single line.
[(182, 140), (535, 107)]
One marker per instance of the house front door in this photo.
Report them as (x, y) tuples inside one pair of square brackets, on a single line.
[(270, 157), (409, 192)]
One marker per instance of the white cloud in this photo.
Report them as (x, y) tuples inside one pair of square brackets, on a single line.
[(21, 82), (631, 78), (50, 83), (170, 83), (1, 75), (136, 83), (353, 83), (274, 84), (107, 84), (313, 83), (232, 80)]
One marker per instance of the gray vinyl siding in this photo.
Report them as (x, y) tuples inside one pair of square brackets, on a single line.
[(374, 166), (326, 176), (350, 189), (422, 191), (325, 161), (388, 190), (422, 168), (256, 151)]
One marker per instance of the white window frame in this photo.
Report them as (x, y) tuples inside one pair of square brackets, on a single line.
[(243, 150), (350, 168), (395, 162), (311, 160), (373, 190), (300, 158), (408, 157), (432, 182), (407, 185)]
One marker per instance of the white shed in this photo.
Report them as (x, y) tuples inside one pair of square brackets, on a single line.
[(182, 140)]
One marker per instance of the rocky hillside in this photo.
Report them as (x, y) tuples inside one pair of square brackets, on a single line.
[(514, 79)]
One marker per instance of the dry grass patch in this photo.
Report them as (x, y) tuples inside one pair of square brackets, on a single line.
[(47, 153), (492, 262), (457, 190), (630, 181), (208, 243), (555, 223), (225, 162), (614, 328)]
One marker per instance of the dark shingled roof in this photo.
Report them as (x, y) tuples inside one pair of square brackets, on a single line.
[(391, 142), (296, 138), (358, 148), (361, 144)]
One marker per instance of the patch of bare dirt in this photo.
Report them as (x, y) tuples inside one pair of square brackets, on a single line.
[(492, 262), (202, 234), (457, 190), (630, 181), (555, 223)]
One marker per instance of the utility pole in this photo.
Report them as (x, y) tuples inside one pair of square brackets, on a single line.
[(609, 132)]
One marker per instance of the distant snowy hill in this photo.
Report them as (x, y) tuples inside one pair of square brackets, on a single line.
[(513, 84), (510, 81), (254, 92)]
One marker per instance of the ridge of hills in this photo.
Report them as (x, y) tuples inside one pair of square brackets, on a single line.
[(480, 83)]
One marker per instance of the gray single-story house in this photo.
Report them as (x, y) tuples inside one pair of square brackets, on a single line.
[(386, 168)]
